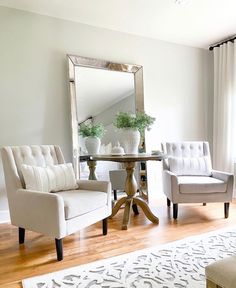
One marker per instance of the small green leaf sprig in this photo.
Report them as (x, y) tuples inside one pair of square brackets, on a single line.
[(140, 121), (94, 130)]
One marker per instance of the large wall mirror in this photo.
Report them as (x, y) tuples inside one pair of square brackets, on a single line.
[(99, 89)]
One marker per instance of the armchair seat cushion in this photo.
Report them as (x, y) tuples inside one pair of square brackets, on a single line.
[(200, 184), (79, 202)]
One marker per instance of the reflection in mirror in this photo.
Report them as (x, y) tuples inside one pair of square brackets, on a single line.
[(103, 93), (100, 89)]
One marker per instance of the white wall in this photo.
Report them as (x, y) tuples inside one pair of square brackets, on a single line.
[(34, 102), (179, 93)]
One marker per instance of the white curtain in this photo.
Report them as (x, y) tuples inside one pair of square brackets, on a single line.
[(224, 134)]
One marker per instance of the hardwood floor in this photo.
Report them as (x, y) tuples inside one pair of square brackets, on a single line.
[(38, 256)]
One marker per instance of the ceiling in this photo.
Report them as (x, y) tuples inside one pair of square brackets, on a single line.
[(196, 23)]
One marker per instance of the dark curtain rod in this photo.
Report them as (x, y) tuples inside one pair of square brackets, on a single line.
[(222, 42)]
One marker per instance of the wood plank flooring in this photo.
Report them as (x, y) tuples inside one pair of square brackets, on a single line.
[(37, 256)]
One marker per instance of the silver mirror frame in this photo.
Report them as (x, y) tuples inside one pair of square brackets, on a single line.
[(74, 61)]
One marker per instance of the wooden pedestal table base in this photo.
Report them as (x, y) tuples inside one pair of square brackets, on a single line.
[(130, 199), (92, 167)]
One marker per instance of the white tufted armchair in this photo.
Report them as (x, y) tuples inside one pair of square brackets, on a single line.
[(188, 176), (52, 214)]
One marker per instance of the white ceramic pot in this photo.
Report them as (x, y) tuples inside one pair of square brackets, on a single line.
[(92, 145), (129, 140)]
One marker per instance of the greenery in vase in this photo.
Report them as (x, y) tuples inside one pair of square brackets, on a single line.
[(140, 121), (94, 130)]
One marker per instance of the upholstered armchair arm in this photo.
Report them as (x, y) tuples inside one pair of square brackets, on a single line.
[(94, 185), (224, 176), (170, 184), (41, 212), (227, 178), (171, 176)]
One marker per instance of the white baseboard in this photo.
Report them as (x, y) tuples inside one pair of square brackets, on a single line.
[(4, 216)]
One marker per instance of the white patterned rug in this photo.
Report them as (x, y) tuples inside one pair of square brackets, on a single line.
[(178, 264)]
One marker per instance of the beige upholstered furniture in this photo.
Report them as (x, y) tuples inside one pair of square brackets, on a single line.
[(53, 214), (117, 178), (188, 176), (222, 273)]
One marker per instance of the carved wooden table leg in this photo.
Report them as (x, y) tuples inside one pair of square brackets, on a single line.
[(127, 212), (117, 206), (147, 211), (92, 167), (130, 189), (143, 195), (130, 183)]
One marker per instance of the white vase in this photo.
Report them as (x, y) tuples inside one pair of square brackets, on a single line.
[(92, 145), (129, 140)]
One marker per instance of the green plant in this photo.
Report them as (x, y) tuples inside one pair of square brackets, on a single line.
[(140, 121), (94, 130)]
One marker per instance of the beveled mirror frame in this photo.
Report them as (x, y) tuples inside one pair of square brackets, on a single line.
[(75, 61)]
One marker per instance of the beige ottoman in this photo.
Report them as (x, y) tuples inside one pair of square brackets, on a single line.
[(222, 273)]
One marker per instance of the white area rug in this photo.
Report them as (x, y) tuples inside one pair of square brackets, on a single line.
[(174, 265)]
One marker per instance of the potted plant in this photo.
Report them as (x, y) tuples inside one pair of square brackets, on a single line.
[(92, 134), (132, 126)]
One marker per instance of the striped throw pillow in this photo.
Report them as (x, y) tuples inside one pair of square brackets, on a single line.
[(49, 179)]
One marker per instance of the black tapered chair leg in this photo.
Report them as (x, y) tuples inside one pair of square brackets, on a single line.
[(104, 226), (168, 202), (135, 209), (175, 211), (115, 194), (21, 235), (226, 208), (59, 248)]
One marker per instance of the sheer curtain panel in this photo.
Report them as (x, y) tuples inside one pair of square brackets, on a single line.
[(224, 107)]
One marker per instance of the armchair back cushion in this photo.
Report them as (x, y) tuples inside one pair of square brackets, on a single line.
[(189, 158), (194, 166), (37, 155)]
